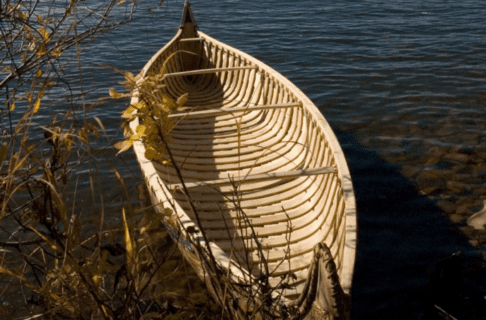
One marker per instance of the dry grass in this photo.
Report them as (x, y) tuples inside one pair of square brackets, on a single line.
[(54, 265)]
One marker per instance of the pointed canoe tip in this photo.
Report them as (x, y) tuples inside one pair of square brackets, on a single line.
[(187, 15)]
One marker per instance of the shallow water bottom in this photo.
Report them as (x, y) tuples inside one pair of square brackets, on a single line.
[(403, 234)]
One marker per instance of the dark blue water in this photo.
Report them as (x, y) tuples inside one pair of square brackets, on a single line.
[(403, 85)]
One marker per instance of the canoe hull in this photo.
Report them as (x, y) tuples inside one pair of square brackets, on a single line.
[(264, 177)]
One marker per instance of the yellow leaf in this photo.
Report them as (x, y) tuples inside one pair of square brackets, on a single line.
[(12, 107), (128, 112), (127, 131), (165, 108), (168, 100), (135, 137), (151, 154), (37, 106), (97, 280), (41, 50), (43, 32), (144, 130), (22, 15), (49, 84), (128, 243), (167, 212), (139, 105), (39, 73), (56, 53), (120, 144), (113, 93), (120, 2), (182, 99), (141, 130), (129, 76), (108, 314), (39, 18), (123, 145)]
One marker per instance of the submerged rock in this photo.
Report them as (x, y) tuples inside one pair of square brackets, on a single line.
[(446, 206), (463, 208), (458, 157), (478, 220), (456, 218)]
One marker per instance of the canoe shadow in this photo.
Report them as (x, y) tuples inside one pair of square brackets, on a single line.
[(402, 235)]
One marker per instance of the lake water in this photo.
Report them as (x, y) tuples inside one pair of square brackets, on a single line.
[(403, 84)]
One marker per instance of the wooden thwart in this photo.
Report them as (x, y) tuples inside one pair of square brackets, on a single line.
[(191, 39), (205, 71), (258, 177), (216, 112)]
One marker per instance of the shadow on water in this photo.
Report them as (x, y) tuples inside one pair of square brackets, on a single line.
[(402, 235)]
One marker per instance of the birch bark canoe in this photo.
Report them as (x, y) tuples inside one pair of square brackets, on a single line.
[(265, 185)]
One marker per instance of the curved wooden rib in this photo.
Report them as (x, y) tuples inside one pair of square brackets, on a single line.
[(243, 119)]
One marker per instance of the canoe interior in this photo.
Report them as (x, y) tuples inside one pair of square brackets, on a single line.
[(287, 217)]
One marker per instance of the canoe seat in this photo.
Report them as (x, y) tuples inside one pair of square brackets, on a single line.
[(216, 112), (191, 40), (258, 177), (206, 71)]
